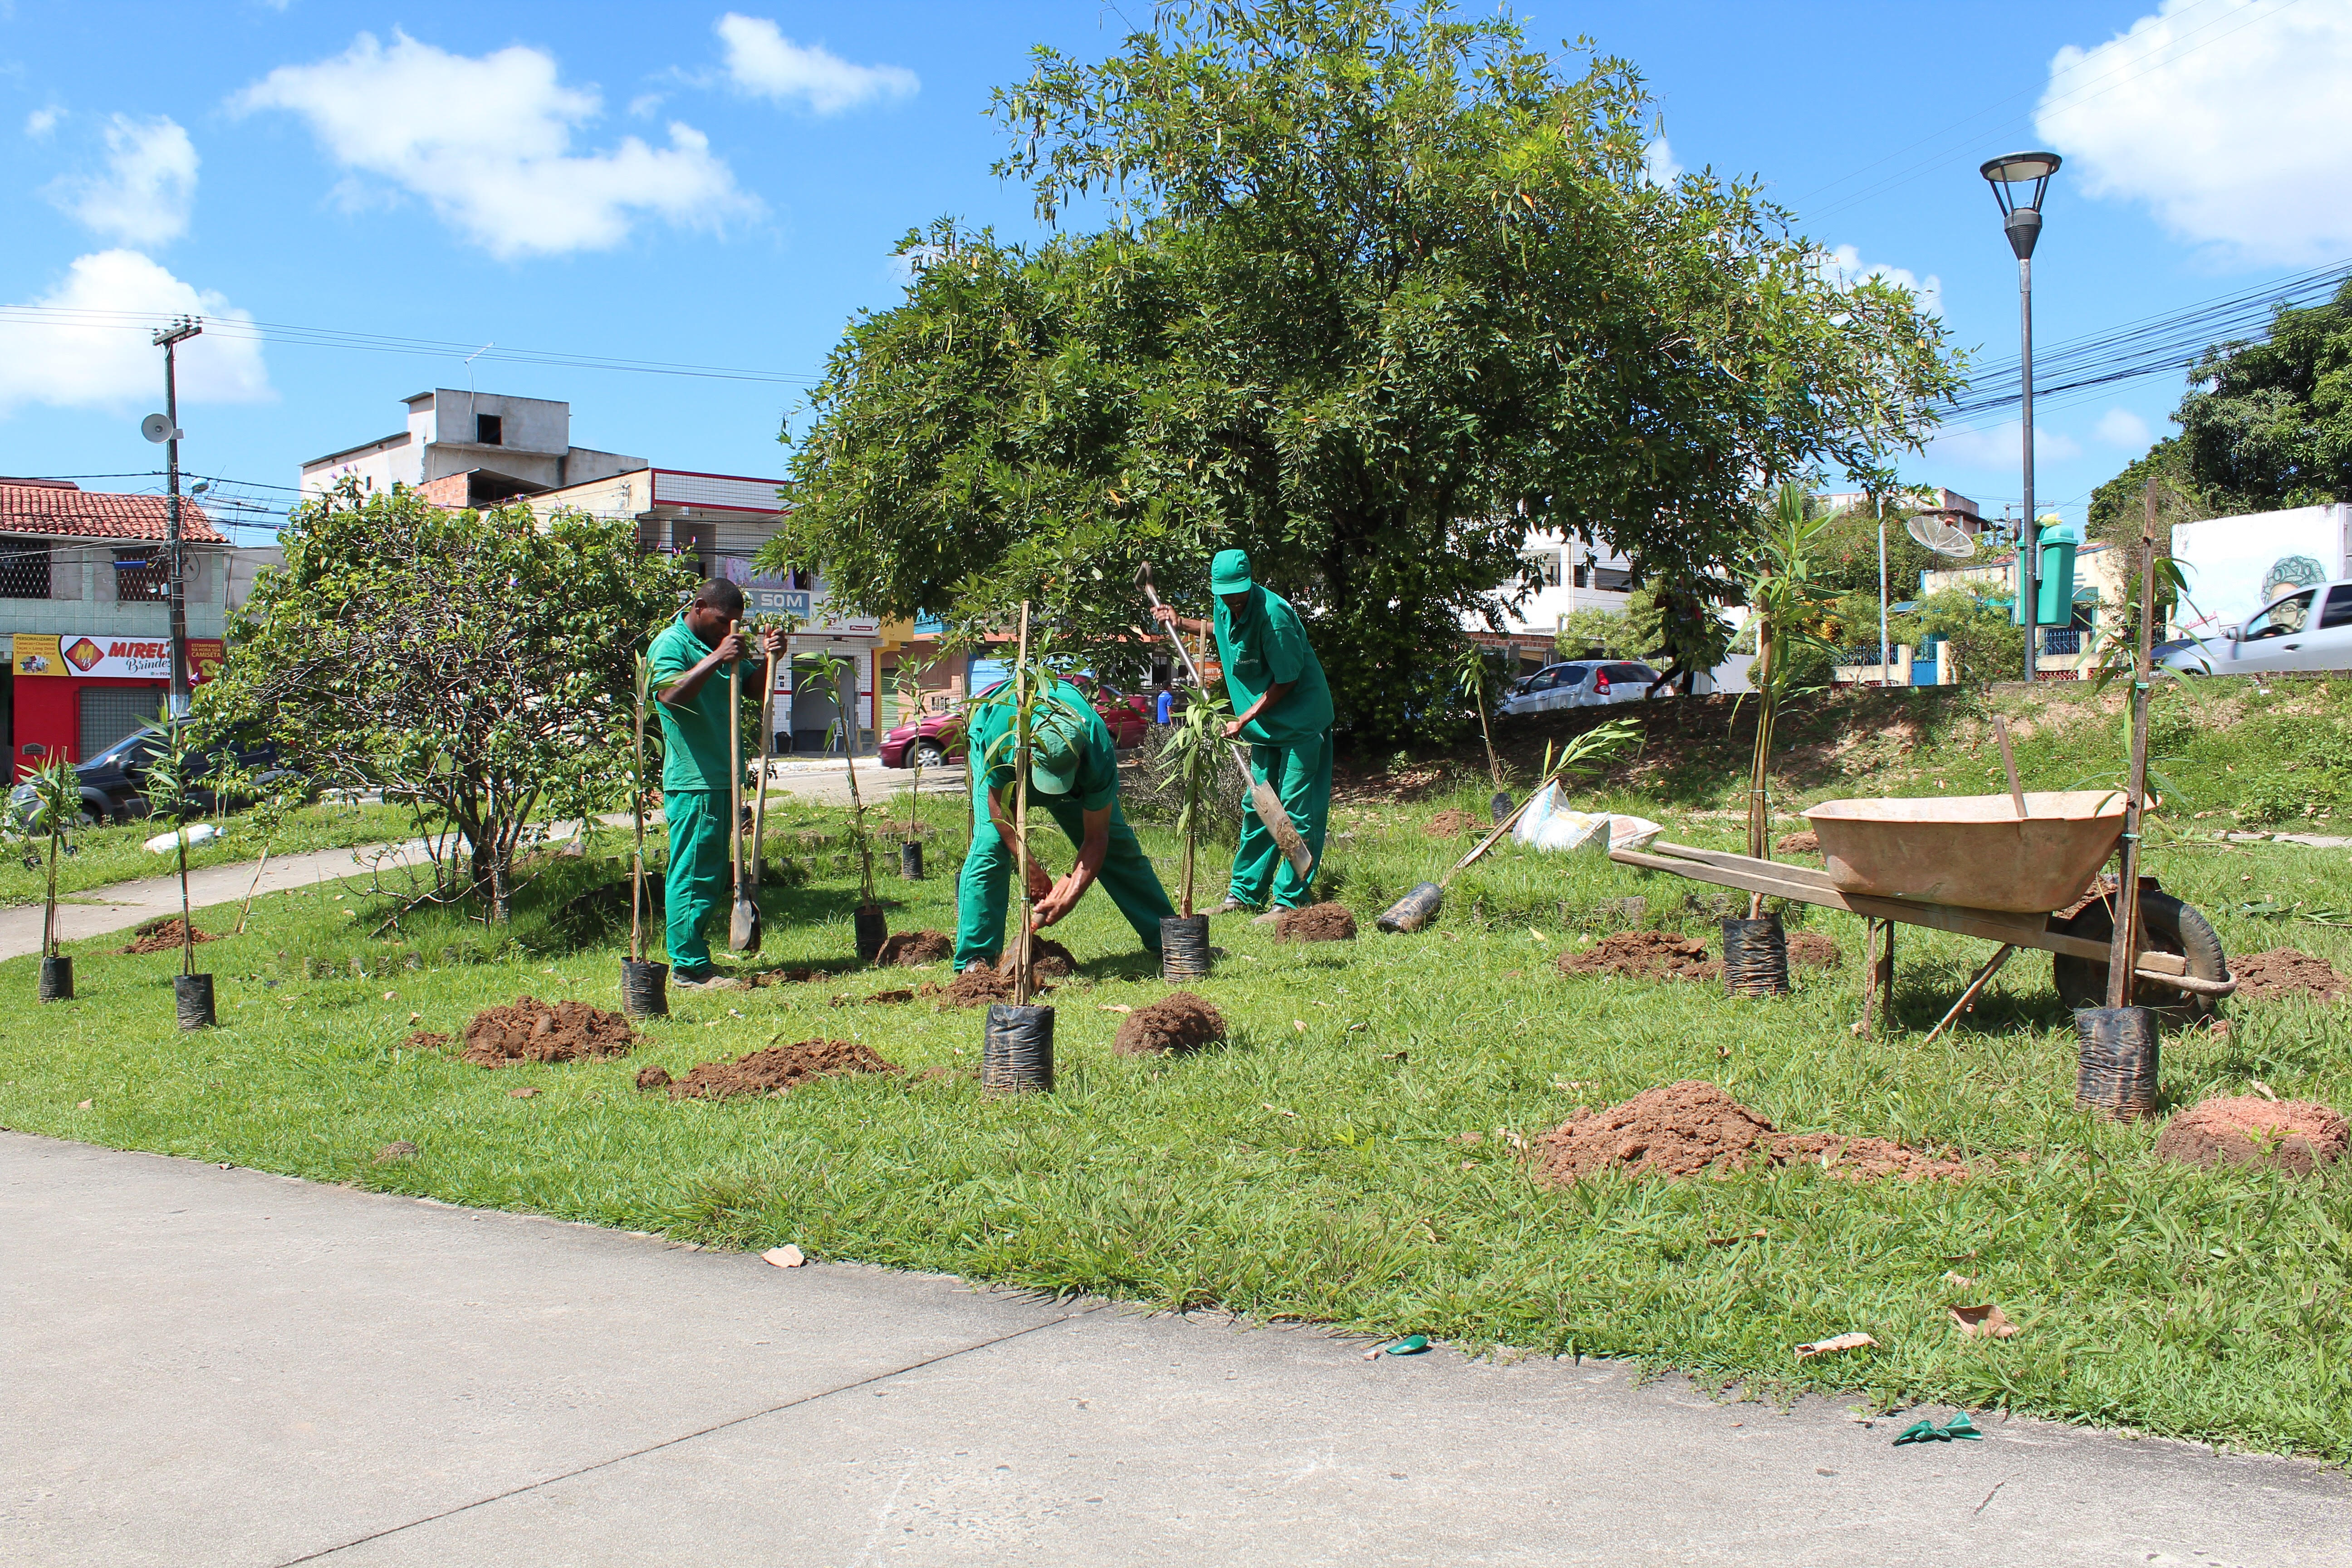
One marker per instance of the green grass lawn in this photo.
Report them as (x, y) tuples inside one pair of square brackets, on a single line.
[(1317, 1168), (116, 854)]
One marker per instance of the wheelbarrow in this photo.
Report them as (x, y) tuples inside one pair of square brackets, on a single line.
[(1977, 865)]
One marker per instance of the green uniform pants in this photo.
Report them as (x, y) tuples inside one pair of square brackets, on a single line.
[(1127, 875), (1300, 774), (697, 872)]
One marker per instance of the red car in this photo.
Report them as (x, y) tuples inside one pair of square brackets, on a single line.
[(938, 738)]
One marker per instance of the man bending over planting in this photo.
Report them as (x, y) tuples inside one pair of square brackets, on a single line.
[(1074, 774), (1283, 708), (691, 660)]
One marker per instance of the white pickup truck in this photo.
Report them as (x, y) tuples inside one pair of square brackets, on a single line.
[(2309, 628)]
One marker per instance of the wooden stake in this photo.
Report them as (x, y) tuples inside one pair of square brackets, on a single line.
[(1991, 967), (2124, 956), (1021, 959), (2008, 764)]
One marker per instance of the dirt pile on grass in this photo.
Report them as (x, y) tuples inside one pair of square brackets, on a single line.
[(1645, 955), (777, 1068), (977, 986), (165, 935), (1692, 1127), (651, 1079), (1449, 824), (2297, 1135), (785, 976), (1811, 950), (913, 947), (1179, 1022), (530, 1030), (2285, 971), (1805, 841), (1048, 960), (1316, 922), (425, 1040)]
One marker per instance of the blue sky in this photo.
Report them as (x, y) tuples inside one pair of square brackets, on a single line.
[(694, 185)]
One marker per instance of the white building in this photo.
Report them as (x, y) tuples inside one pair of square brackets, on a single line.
[(468, 448), (1573, 573)]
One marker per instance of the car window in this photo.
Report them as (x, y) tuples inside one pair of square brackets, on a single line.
[(2338, 609), (1571, 676), (2286, 617), (1632, 672)]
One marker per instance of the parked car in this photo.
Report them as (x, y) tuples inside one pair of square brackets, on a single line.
[(114, 783), (2310, 628), (1580, 683), (938, 738)]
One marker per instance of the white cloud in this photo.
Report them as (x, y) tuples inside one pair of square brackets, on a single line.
[(2001, 446), (487, 142), (89, 344), (41, 121), (1842, 266), (149, 186), (1658, 165), (761, 60), (2229, 118), (641, 106), (2120, 428)]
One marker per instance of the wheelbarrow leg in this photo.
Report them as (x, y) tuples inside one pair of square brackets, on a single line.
[(1878, 976), (1883, 972), (1991, 967)]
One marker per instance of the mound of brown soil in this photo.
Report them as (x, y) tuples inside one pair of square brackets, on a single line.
[(164, 936), (1048, 960), (2295, 1135), (1691, 1127), (1645, 955), (786, 976), (777, 1068), (1803, 842), (530, 1030), (1179, 1021), (977, 986), (1812, 950), (2285, 971), (1316, 922), (422, 1041), (880, 998), (913, 947), (1449, 824), (650, 1079)]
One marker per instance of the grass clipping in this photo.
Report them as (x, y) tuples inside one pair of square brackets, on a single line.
[(1693, 1128), (530, 1030)]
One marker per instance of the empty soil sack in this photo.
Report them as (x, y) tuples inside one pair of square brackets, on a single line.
[(162, 936), (1811, 950), (777, 1069), (1803, 842), (530, 1030), (1449, 824), (913, 947), (1645, 955), (1177, 1022), (1692, 1127), (1316, 922), (1048, 960), (2298, 1135), (2285, 971)]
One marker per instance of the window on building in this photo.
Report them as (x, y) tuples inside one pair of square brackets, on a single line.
[(1545, 564), (24, 569), (489, 430), (141, 574), (697, 543), (1614, 579)]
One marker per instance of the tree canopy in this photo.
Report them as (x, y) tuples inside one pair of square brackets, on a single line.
[(2269, 424), (1378, 289)]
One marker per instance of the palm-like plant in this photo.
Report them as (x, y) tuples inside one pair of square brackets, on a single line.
[(1470, 673), (1786, 601), (1189, 761), (910, 683), (172, 796), (49, 818)]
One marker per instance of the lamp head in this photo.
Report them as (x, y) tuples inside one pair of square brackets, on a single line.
[(2019, 181)]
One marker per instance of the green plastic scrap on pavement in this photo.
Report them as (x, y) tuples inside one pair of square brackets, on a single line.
[(1412, 1344), (1928, 1432)]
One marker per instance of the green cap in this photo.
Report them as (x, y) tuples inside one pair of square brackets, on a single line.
[(1229, 572), (1054, 753)]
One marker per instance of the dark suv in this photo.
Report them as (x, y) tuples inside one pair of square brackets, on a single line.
[(114, 782)]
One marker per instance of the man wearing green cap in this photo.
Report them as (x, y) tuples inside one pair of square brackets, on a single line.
[(1074, 774), (1282, 706)]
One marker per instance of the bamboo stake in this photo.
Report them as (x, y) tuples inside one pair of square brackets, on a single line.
[(1021, 974), (1758, 800), (1991, 967), (2123, 956)]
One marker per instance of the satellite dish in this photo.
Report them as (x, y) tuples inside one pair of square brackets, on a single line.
[(1939, 534), (156, 428)]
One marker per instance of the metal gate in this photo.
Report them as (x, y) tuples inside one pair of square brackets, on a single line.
[(110, 712)]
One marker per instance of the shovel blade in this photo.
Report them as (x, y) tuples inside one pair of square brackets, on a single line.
[(744, 927)]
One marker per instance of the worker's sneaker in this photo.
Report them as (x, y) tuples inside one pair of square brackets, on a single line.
[(1268, 919), (1231, 907), (705, 980)]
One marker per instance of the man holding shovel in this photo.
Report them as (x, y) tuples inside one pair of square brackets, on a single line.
[(691, 660), (1074, 774), (1282, 706)]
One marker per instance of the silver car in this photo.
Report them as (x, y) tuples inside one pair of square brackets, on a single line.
[(2308, 630), (1580, 683)]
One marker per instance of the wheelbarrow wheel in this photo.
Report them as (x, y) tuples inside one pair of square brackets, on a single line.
[(2166, 925)]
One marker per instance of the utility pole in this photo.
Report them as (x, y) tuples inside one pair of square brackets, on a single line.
[(169, 340)]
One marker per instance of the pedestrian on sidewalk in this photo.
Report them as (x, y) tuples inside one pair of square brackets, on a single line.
[(1282, 706), (692, 659)]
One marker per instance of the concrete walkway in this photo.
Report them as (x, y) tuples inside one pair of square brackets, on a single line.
[(215, 1366)]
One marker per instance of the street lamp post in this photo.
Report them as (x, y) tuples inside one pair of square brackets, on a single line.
[(169, 340), (2019, 180)]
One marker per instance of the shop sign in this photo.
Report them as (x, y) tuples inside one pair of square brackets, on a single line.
[(114, 658)]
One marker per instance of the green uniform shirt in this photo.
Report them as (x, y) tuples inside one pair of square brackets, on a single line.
[(696, 752), (1266, 646), (1097, 785)]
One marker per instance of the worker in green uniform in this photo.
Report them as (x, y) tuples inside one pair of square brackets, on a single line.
[(691, 660), (1282, 706), (1073, 776)]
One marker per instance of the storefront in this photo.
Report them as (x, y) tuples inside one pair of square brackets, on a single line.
[(807, 710), (76, 694)]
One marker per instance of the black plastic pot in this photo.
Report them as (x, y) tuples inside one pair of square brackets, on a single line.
[(644, 989), (1017, 1056), (1415, 910), (1184, 946), (1500, 807), (56, 979), (195, 994), (2116, 1071), (1755, 957), (910, 860), (873, 930)]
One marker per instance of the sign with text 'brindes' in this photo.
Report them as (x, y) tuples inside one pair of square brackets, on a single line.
[(114, 658)]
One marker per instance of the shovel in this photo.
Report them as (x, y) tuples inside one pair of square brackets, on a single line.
[(743, 921), (1263, 799)]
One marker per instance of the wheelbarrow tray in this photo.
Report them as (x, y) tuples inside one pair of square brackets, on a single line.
[(1971, 851)]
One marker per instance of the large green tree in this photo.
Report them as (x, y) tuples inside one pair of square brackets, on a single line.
[(2269, 423), (1373, 290)]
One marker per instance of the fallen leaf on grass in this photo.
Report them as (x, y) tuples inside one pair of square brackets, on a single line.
[(1958, 1281), (1985, 1322), (390, 995), (2265, 1090), (1735, 1240), (1299, 1025), (413, 1017), (83, 1106), (1837, 1342), (1394, 1057), (1536, 934), (1113, 1008), (521, 1093), (784, 1256)]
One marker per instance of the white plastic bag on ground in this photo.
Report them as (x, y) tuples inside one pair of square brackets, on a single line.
[(1567, 832), (1549, 826), (162, 842)]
